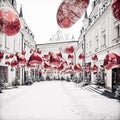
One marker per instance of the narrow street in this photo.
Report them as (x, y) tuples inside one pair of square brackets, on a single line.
[(56, 100)]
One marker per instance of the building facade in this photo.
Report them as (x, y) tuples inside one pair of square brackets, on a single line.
[(99, 35), (23, 40), (57, 44)]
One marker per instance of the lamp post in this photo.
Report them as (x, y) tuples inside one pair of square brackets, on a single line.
[(83, 48)]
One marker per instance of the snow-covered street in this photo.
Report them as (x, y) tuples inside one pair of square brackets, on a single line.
[(56, 100)]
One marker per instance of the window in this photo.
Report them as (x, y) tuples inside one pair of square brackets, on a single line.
[(103, 40), (4, 74), (6, 42)]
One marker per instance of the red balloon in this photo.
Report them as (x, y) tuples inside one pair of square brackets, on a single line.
[(77, 68), (61, 67), (70, 56), (116, 9), (70, 11), (21, 59), (94, 57), (9, 21)]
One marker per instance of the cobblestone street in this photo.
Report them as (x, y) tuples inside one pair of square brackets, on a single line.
[(56, 100)]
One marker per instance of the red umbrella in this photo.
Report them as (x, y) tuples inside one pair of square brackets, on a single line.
[(61, 67), (1, 55), (54, 59), (94, 57), (9, 21), (116, 9), (35, 59), (59, 54), (69, 49), (47, 66), (94, 67), (21, 59), (14, 62), (7, 63), (70, 56), (70, 11), (77, 68), (110, 60), (81, 56)]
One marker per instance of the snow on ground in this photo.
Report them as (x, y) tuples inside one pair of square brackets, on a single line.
[(56, 100)]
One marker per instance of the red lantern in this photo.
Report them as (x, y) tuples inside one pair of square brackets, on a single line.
[(70, 11), (69, 49), (9, 21), (116, 9)]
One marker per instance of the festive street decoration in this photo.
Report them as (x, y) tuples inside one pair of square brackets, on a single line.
[(54, 59), (116, 9), (1, 55), (9, 21), (110, 60), (70, 11), (81, 56), (94, 57), (69, 49), (77, 68), (35, 59)]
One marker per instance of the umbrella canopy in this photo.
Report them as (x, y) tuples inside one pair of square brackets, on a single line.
[(69, 49), (77, 68), (94, 57), (110, 60), (70, 11), (1, 55), (116, 9), (81, 56), (9, 21), (54, 59), (35, 59)]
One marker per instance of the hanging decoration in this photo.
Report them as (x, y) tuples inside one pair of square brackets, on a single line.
[(35, 59), (70, 56), (1, 55), (77, 68), (116, 9), (81, 56), (14, 63), (54, 59), (9, 21), (110, 60), (94, 57), (69, 49), (70, 11)]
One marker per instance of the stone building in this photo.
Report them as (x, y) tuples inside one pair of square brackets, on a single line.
[(23, 40), (99, 35)]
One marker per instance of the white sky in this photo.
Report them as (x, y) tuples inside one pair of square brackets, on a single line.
[(40, 16)]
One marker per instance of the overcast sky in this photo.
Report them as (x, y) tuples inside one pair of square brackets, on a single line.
[(40, 16)]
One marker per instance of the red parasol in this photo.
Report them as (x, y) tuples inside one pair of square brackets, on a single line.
[(116, 9), (9, 21), (69, 49), (81, 56), (35, 59), (70, 11)]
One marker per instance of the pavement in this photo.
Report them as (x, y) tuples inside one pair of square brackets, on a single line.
[(100, 90)]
